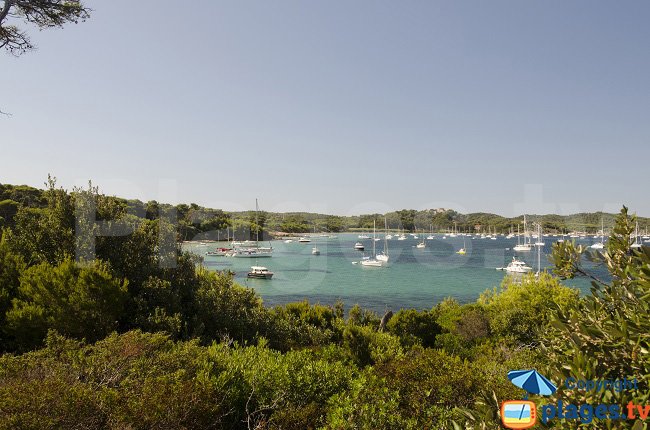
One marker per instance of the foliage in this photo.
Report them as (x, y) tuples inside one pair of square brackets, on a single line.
[(142, 328), (520, 311), (81, 301), (42, 13), (607, 335), (422, 389), (415, 328), (138, 380)]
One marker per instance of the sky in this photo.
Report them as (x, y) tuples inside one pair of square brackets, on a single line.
[(340, 107)]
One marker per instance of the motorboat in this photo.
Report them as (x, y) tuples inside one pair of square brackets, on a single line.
[(359, 246), (518, 266), (219, 252), (304, 240), (260, 272)]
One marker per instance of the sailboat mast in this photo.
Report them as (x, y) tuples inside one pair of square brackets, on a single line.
[(257, 226), (385, 238), (539, 249), (374, 231)]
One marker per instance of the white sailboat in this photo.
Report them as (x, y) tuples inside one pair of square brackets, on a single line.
[(383, 257), (637, 243), (525, 245), (600, 245), (462, 251), (372, 261), (247, 249), (422, 244)]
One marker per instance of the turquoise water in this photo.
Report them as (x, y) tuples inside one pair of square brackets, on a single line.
[(415, 278)]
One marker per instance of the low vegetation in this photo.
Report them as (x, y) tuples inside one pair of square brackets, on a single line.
[(128, 341)]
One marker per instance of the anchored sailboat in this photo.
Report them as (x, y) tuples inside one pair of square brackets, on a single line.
[(372, 261), (248, 250)]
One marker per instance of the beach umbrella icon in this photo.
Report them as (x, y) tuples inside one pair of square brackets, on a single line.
[(532, 381)]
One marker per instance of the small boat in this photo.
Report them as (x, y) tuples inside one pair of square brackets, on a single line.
[(288, 241), (598, 245), (421, 245), (315, 251), (260, 272), (219, 252), (462, 251), (518, 266), (359, 246), (258, 252), (304, 240), (363, 236)]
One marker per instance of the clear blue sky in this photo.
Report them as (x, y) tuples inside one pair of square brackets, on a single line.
[(340, 107)]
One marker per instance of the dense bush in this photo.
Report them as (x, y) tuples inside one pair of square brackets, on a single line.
[(127, 341)]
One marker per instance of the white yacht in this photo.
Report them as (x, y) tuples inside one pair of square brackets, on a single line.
[(260, 272), (359, 246), (518, 266), (304, 239), (315, 251)]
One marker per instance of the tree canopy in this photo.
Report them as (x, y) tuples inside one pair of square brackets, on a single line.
[(40, 13)]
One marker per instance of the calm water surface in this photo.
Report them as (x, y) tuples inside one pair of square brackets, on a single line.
[(415, 278)]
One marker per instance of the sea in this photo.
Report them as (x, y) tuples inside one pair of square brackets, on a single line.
[(416, 278)]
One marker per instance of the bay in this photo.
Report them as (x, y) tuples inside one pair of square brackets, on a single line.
[(415, 278)]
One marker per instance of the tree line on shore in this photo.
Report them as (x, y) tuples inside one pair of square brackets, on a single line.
[(199, 223), (123, 341)]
